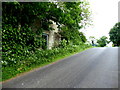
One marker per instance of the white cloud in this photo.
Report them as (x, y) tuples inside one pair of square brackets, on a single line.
[(105, 15)]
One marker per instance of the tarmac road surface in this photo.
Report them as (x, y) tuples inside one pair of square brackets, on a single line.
[(93, 68)]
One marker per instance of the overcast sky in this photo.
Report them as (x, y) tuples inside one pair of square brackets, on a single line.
[(104, 15)]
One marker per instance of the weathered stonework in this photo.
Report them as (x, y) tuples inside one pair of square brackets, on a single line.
[(53, 36)]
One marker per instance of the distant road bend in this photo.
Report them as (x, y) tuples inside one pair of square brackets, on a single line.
[(93, 68)]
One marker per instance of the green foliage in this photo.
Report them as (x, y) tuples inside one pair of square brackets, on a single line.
[(65, 14), (63, 43), (74, 13), (102, 41), (82, 36), (73, 36), (115, 34), (20, 42), (21, 64), (24, 13)]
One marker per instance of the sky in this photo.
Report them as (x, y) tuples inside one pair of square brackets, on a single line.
[(104, 16)]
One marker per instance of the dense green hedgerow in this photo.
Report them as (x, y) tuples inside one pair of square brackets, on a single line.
[(19, 64)]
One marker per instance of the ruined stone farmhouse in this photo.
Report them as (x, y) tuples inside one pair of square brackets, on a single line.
[(52, 37)]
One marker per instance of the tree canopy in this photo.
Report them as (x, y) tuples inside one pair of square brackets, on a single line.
[(102, 41), (115, 34), (18, 18)]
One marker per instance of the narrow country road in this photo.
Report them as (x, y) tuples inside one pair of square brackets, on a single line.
[(93, 68)]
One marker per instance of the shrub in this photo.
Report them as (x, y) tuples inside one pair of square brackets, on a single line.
[(17, 63)]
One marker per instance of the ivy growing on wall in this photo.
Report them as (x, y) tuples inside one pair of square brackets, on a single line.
[(18, 18)]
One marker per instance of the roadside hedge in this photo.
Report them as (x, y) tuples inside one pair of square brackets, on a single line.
[(21, 63)]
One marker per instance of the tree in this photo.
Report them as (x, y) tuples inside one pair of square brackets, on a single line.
[(18, 36), (82, 36), (102, 41), (18, 19), (115, 34), (76, 16)]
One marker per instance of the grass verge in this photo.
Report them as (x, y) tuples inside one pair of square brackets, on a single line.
[(38, 61)]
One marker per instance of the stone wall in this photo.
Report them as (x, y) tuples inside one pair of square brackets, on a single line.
[(53, 37)]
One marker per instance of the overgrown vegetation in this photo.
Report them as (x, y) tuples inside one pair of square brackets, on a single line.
[(22, 45), (19, 64)]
